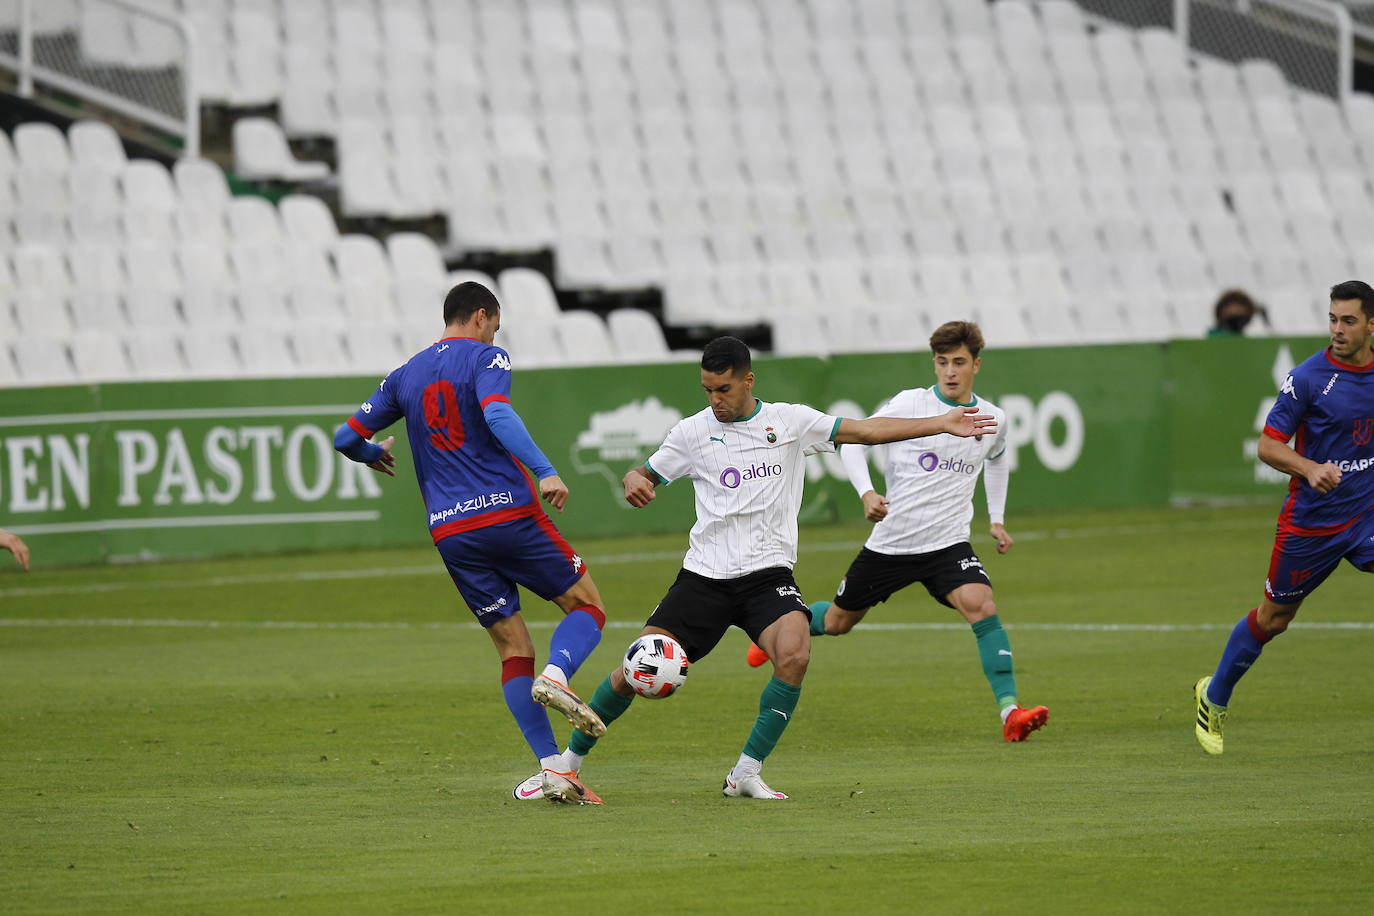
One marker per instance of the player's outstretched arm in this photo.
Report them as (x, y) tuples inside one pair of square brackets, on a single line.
[(959, 421), (640, 486), (1281, 457), (15, 545)]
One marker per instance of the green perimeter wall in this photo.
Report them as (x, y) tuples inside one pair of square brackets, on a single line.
[(180, 469)]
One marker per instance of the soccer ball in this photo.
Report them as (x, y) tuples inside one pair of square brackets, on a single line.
[(655, 666)]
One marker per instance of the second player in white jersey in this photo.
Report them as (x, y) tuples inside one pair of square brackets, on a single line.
[(747, 476), (930, 481), (921, 530)]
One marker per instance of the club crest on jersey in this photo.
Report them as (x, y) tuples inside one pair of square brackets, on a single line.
[(772, 436), (1364, 431)]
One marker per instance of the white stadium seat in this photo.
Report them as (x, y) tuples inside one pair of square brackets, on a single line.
[(261, 154)]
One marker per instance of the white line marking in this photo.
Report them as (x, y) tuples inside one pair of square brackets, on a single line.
[(126, 622), (201, 413), (379, 572), (198, 521)]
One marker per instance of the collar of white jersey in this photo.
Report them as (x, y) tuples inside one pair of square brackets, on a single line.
[(758, 405), (944, 400)]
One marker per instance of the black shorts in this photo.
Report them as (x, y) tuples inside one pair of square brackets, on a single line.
[(698, 610), (873, 577)]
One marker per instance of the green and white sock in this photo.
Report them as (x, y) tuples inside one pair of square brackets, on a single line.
[(776, 704), (994, 649)]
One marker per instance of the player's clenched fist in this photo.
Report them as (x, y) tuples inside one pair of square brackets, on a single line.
[(875, 506), (639, 490), (554, 491), (1324, 477)]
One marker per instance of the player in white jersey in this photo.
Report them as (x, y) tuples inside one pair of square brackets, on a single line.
[(922, 529), (744, 458)]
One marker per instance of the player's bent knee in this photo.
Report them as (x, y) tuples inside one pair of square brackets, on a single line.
[(1275, 618), (791, 663), (583, 591)]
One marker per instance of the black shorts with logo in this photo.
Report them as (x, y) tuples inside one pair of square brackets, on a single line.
[(698, 610), (873, 577)]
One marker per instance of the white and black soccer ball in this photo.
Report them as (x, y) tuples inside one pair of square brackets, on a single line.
[(655, 666)]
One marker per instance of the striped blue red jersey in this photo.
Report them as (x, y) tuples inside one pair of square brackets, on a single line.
[(1327, 407), (467, 477)]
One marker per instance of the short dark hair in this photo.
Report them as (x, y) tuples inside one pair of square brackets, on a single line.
[(955, 334), (1355, 289), (463, 301), (1233, 297), (726, 354)]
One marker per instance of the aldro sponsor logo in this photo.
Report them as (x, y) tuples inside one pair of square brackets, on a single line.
[(732, 477), (930, 462)]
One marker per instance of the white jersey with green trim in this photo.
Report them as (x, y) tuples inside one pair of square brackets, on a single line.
[(931, 480), (748, 477)]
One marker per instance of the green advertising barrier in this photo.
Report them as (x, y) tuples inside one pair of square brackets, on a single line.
[(1221, 392), (139, 471), (120, 472)]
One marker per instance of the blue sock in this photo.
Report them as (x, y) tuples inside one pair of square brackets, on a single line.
[(517, 677), (576, 635), (1242, 648)]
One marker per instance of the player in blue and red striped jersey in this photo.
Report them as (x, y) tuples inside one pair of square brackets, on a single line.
[(1327, 403), (484, 514)]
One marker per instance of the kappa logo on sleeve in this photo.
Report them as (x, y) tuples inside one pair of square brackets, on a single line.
[(502, 361), (1287, 387)]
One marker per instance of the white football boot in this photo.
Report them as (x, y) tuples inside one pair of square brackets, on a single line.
[(750, 786), (531, 789)]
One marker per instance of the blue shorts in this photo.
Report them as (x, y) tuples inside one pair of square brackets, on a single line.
[(487, 563), (1301, 562)]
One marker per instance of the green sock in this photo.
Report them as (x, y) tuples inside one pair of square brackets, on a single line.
[(995, 651), (818, 609), (607, 704), (776, 704)]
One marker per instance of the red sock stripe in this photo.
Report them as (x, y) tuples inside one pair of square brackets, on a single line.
[(1252, 621), (520, 666), (597, 614)]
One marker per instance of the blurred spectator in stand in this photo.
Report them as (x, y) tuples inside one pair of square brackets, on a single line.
[(1233, 312), (15, 545)]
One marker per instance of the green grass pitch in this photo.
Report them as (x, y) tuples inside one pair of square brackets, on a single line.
[(325, 733)]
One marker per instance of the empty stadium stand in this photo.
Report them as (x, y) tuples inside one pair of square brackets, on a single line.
[(849, 172)]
